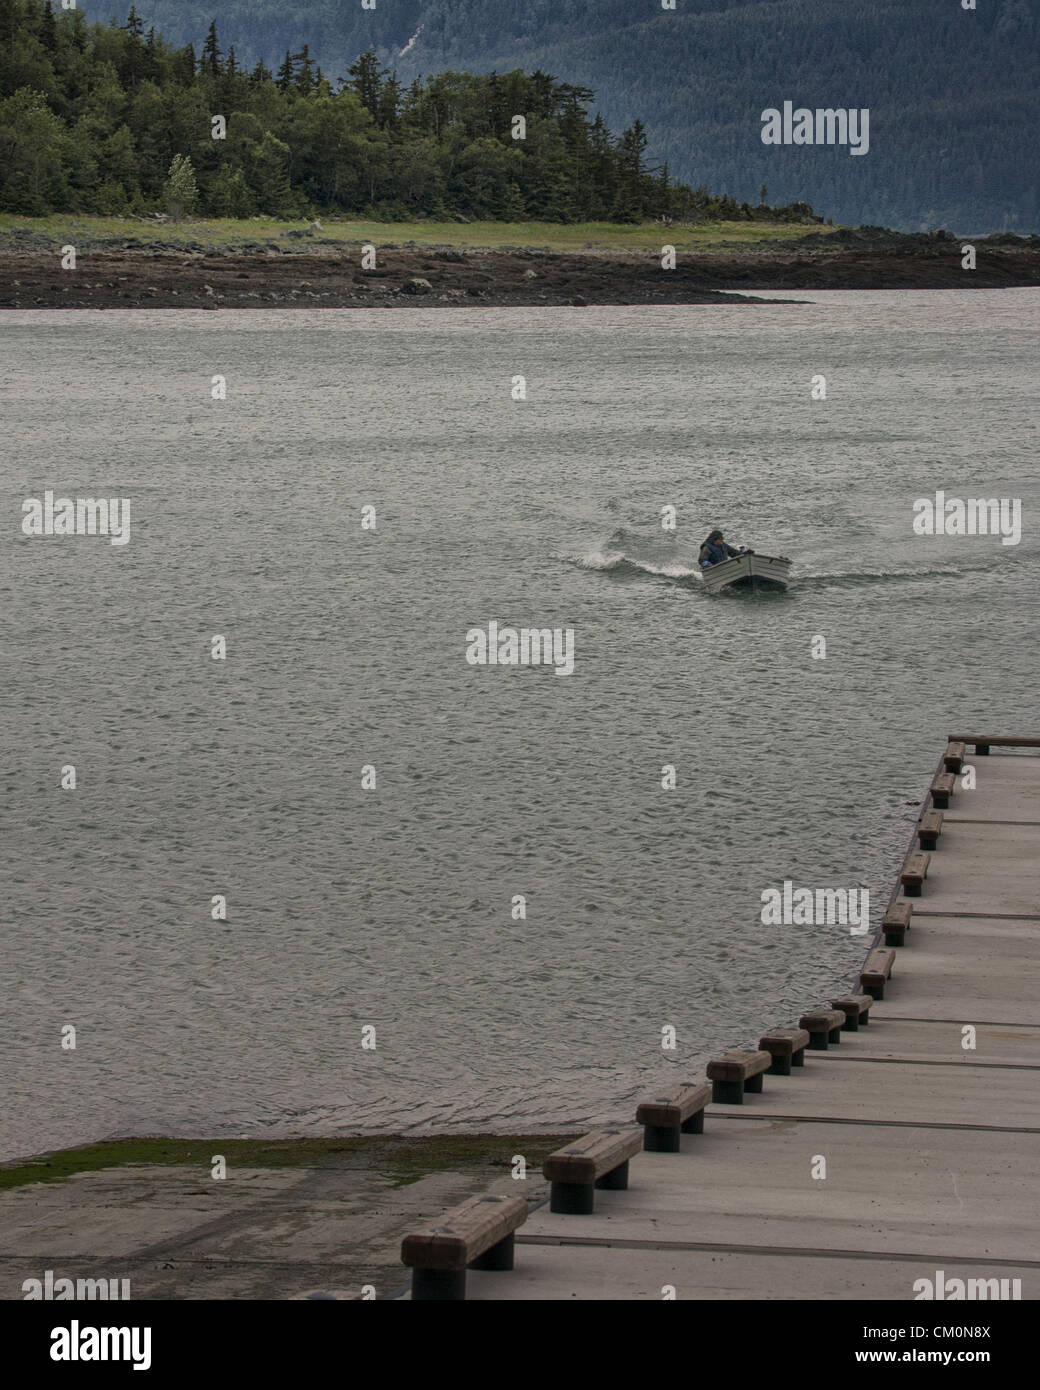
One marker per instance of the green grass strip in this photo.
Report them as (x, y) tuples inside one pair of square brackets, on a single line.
[(224, 234)]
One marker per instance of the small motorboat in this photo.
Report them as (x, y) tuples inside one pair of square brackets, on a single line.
[(751, 570)]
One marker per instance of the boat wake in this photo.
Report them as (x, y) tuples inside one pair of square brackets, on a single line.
[(619, 563), (627, 555), (818, 579)]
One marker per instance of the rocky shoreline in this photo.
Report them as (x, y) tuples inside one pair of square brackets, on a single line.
[(304, 271)]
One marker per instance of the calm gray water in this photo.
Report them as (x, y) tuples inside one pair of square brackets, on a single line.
[(392, 907)]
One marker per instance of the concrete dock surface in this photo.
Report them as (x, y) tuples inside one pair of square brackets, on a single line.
[(931, 1147)]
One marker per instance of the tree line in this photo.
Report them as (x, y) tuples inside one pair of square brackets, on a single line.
[(951, 92), (111, 119)]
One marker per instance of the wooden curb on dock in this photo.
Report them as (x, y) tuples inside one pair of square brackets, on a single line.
[(878, 967), (982, 743), (478, 1234), (664, 1117), (915, 871), (598, 1160)]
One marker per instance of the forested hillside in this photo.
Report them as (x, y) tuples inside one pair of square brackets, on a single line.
[(951, 92), (111, 119)]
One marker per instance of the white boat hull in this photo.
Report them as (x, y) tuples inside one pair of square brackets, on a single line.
[(747, 572)]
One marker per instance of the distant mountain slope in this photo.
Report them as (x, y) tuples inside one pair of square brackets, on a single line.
[(951, 93)]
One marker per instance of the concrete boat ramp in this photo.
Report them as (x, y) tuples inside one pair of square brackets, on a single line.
[(909, 1152)]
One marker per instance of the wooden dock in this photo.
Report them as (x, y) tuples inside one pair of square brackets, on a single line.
[(909, 1152)]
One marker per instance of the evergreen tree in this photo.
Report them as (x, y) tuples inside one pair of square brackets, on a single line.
[(49, 29), (497, 110), (630, 203), (285, 73), (10, 14), (305, 71), (132, 62), (185, 65), (413, 107), (367, 81), (270, 177), (79, 31), (211, 54), (389, 104)]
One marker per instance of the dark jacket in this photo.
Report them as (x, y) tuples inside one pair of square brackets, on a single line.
[(714, 552)]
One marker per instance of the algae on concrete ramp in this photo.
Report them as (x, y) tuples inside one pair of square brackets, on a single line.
[(402, 1158)]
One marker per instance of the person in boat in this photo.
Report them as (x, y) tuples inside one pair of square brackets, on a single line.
[(715, 550)]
